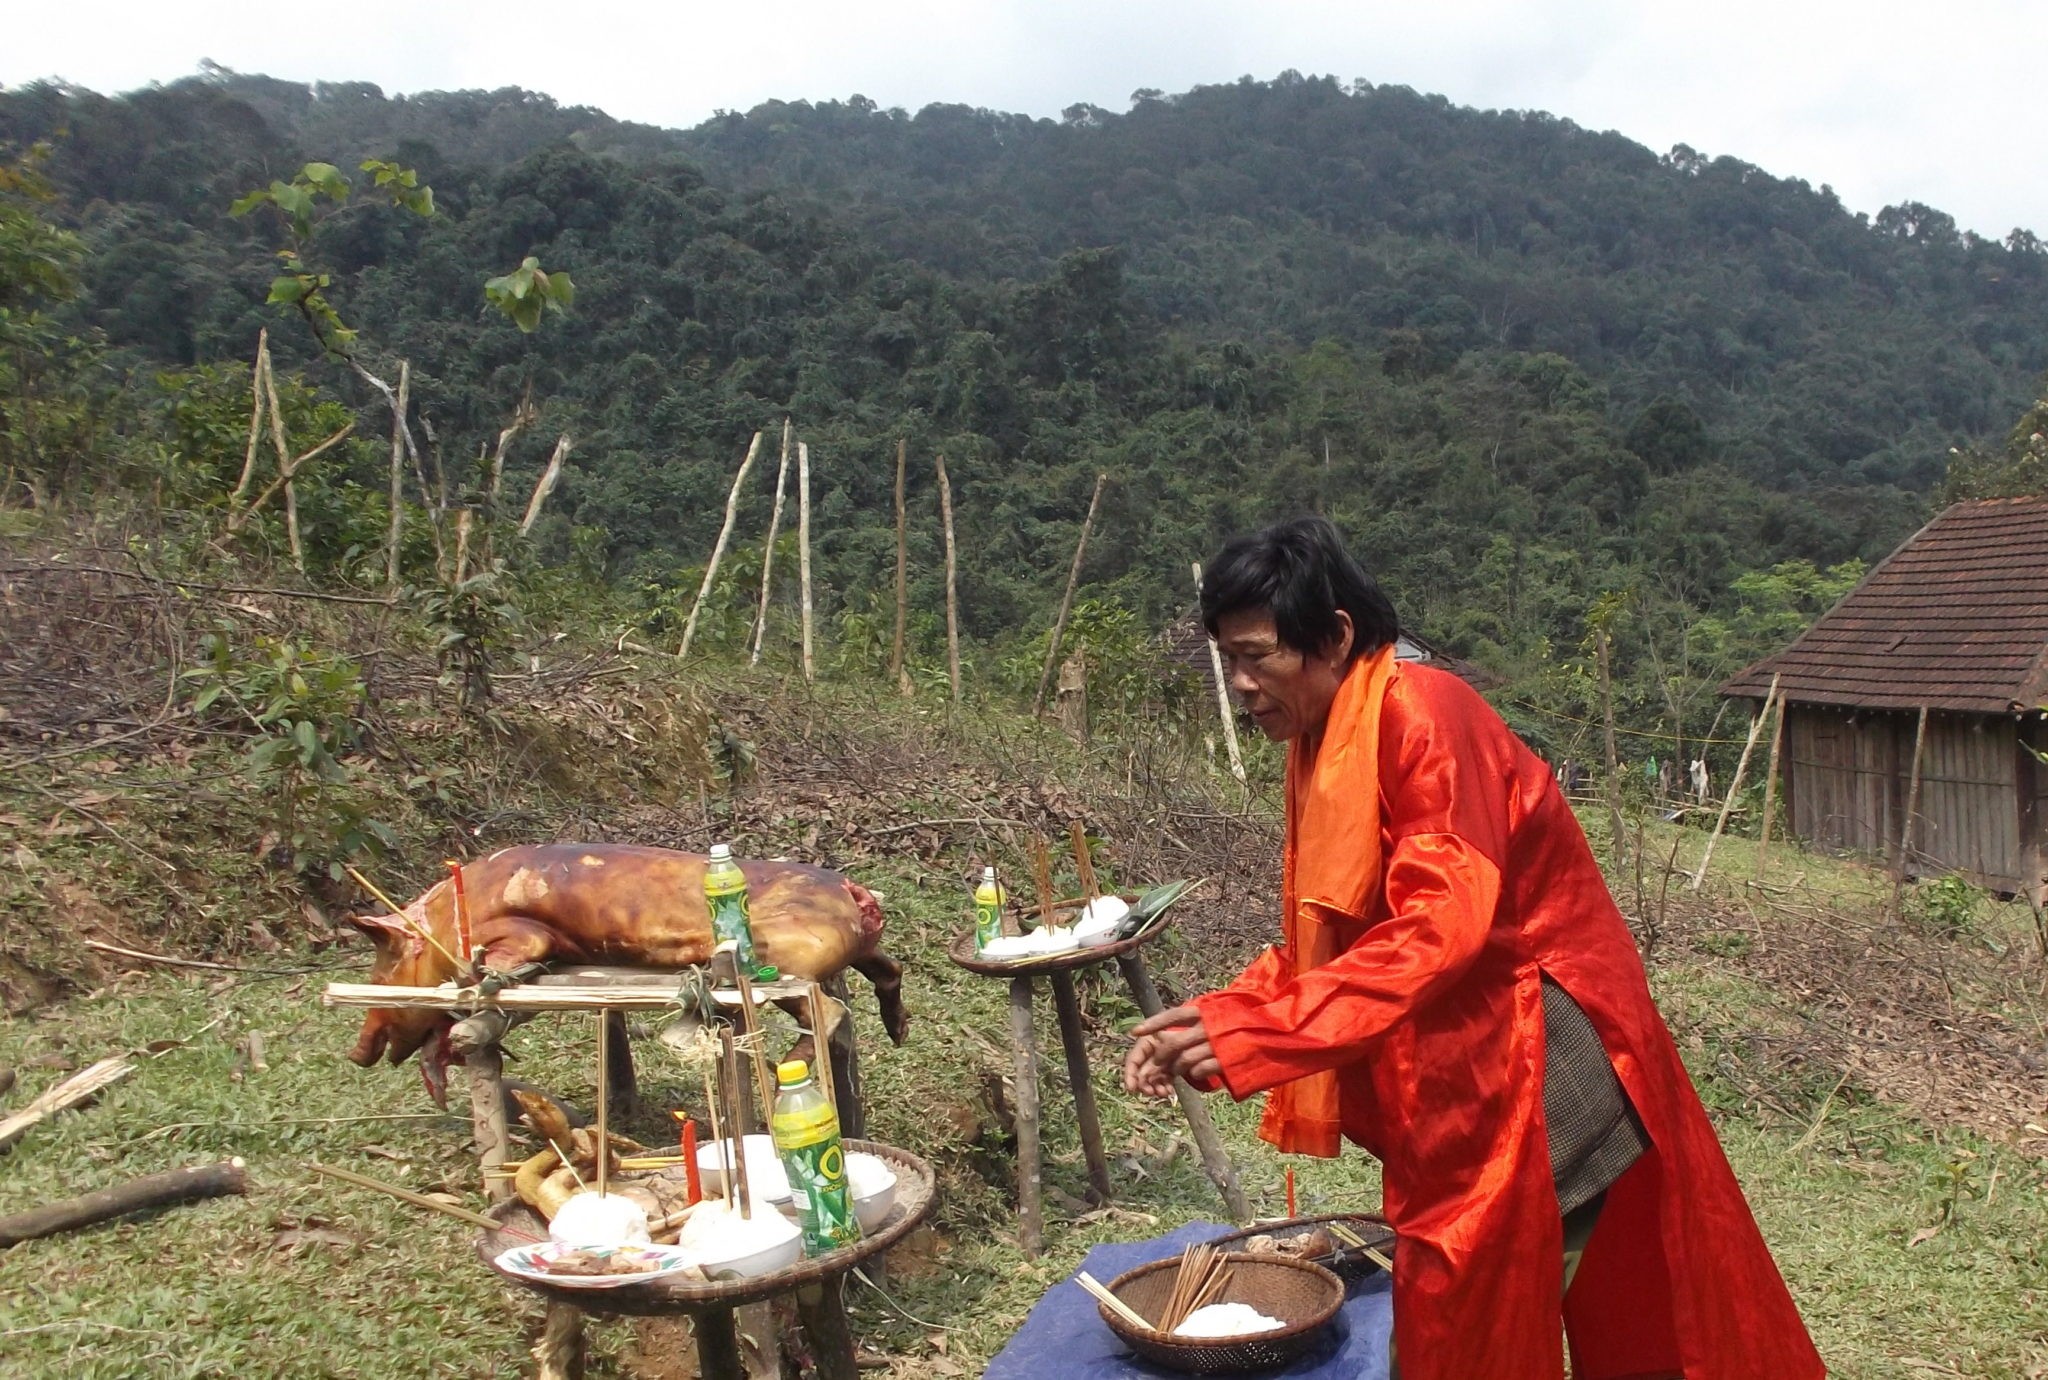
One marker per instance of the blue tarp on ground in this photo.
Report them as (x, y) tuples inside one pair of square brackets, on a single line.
[(1065, 1339)]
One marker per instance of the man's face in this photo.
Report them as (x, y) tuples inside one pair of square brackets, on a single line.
[(1286, 690)]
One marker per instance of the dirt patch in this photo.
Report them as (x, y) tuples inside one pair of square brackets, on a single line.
[(1933, 1024)]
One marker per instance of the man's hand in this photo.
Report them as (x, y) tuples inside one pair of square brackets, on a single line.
[(1170, 1045)]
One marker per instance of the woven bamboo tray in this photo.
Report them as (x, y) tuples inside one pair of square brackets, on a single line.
[(961, 951), (916, 1190), (1304, 1296)]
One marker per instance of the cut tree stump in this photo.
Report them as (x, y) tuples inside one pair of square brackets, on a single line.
[(174, 1186)]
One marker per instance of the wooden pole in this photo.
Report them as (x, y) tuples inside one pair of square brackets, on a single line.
[(1734, 787), (255, 418), (1904, 857), (604, 1102), (1770, 788), (1222, 690), (396, 528), (732, 508), (896, 671), (285, 467), (1619, 843), (768, 550), (1059, 625), (475, 1040), (803, 550), (185, 1185), (952, 592)]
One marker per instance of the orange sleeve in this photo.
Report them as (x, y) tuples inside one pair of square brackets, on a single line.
[(1447, 807)]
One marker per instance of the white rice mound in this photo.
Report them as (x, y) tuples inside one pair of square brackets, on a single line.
[(599, 1219), (1227, 1320)]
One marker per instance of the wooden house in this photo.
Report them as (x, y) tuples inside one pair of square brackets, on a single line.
[(1925, 684)]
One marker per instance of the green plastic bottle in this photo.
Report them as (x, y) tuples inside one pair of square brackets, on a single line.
[(725, 892), (806, 1131), (988, 910)]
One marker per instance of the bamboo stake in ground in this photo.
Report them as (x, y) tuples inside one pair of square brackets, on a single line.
[(1618, 845), (896, 671), (1222, 690), (1059, 624), (186, 1185), (62, 1096), (952, 584), (768, 549), (1763, 843), (545, 485), (803, 550), (821, 1043), (1735, 787), (255, 418), (732, 508), (397, 525)]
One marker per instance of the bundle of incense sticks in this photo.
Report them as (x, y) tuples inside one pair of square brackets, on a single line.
[(1204, 1272)]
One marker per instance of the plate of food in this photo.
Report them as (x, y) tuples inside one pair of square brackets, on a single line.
[(595, 1267)]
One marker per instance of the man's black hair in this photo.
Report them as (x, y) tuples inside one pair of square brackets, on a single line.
[(1301, 573)]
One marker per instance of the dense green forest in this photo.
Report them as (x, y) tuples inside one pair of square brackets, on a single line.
[(1543, 376)]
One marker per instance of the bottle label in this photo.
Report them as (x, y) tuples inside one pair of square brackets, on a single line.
[(725, 891), (988, 918), (815, 1165)]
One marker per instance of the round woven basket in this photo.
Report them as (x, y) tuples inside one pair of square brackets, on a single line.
[(1303, 1296)]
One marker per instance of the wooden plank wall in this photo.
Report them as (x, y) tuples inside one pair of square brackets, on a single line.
[(1850, 780)]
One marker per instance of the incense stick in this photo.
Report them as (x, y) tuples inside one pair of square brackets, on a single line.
[(461, 1214), (750, 1026), (821, 1044), (728, 1063), (1083, 863), (711, 1100), (1111, 1301)]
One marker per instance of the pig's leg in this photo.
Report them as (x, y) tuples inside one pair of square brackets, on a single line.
[(887, 976)]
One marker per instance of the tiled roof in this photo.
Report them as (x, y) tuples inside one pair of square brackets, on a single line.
[(1955, 619)]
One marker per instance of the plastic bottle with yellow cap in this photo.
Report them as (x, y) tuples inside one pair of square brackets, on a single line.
[(806, 1130)]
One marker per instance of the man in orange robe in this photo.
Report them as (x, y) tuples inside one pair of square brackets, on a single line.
[(1447, 929)]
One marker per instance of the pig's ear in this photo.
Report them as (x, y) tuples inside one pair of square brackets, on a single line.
[(384, 929)]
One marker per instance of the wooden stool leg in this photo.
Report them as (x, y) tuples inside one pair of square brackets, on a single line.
[(760, 1340), (559, 1351), (1030, 1209), (821, 1308), (1215, 1160), (718, 1347), (1071, 1038), (624, 1091)]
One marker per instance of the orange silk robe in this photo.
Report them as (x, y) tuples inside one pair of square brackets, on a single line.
[(1432, 1018)]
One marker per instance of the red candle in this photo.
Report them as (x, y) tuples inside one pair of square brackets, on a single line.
[(696, 1188), (1290, 1193)]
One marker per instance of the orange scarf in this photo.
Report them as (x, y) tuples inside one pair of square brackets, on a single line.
[(1330, 873)]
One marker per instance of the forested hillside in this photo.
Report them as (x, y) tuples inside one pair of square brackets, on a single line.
[(1527, 366)]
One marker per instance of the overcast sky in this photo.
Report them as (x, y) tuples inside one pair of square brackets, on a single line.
[(1885, 100)]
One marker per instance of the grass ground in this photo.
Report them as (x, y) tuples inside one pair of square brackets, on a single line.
[(1912, 1247)]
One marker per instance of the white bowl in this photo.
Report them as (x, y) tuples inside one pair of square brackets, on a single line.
[(757, 1256), (766, 1183), (870, 1211)]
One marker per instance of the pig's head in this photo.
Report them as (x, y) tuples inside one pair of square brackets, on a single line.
[(404, 959)]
